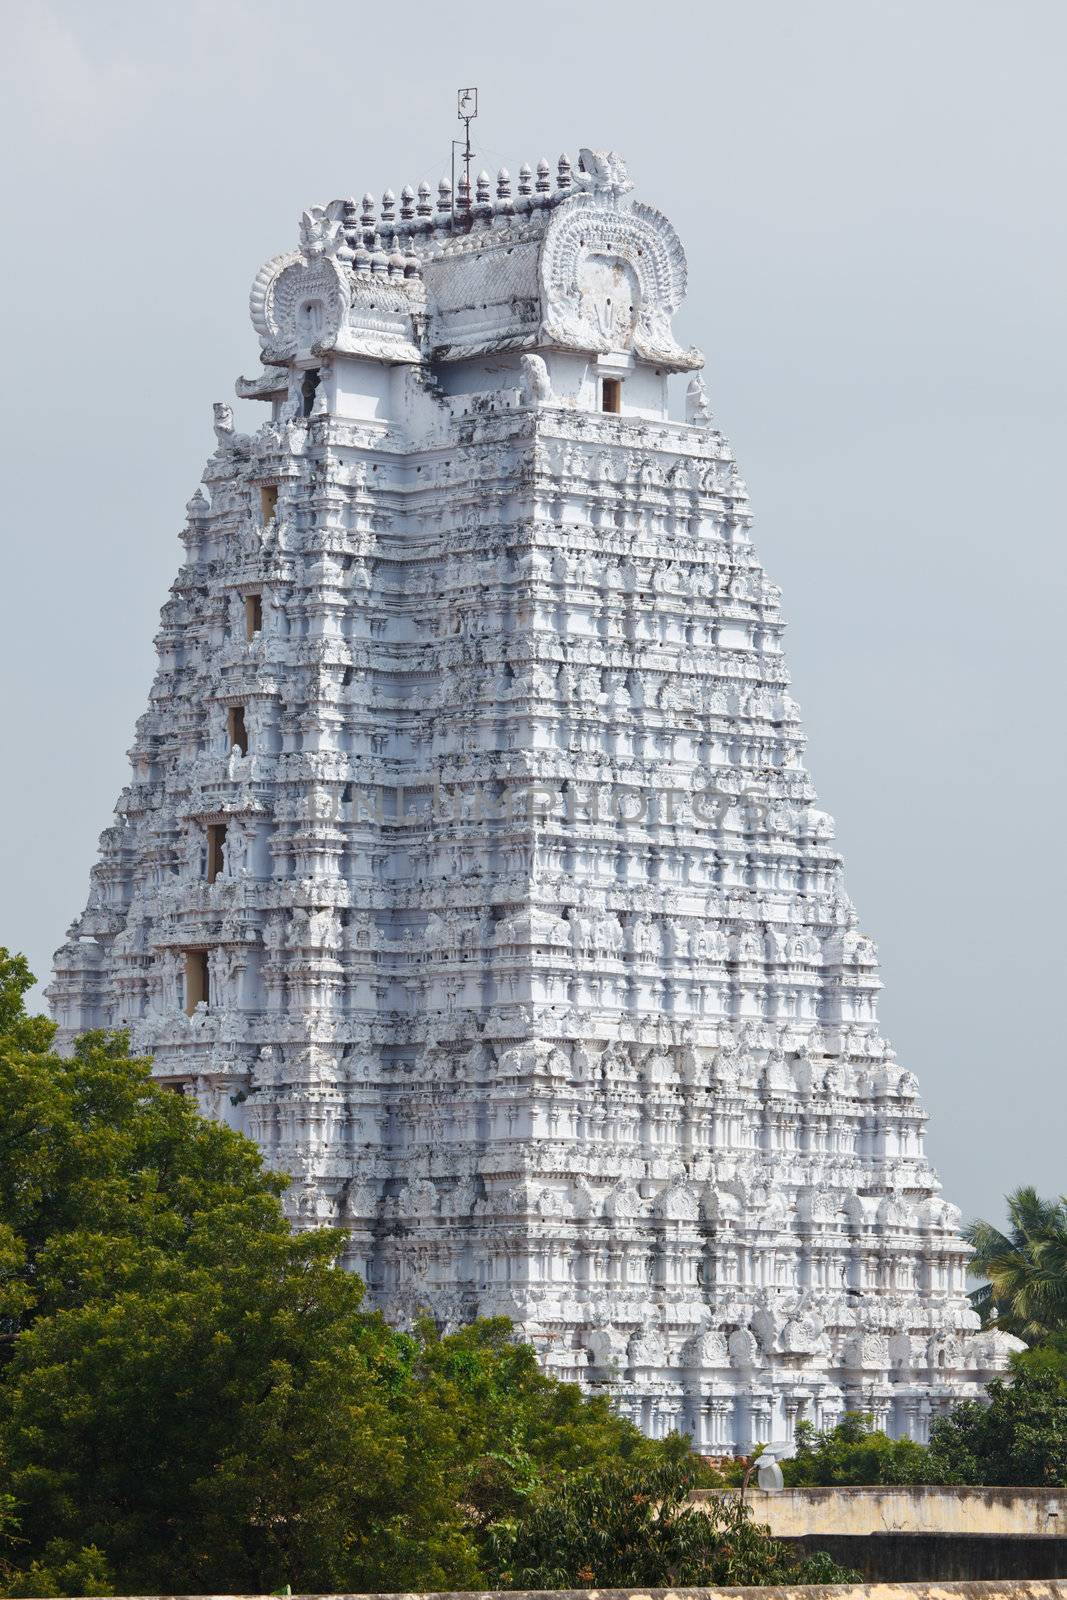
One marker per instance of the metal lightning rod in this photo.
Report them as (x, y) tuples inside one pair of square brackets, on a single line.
[(466, 111)]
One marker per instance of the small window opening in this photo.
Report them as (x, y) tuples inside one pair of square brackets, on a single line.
[(611, 394), (253, 614), (236, 730), (308, 388), (268, 502), (197, 983), (216, 848)]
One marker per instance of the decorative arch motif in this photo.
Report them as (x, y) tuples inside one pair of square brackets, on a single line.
[(611, 279), (297, 303)]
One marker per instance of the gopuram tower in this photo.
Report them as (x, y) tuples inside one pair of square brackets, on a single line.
[(468, 860)]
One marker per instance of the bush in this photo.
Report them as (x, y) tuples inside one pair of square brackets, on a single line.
[(614, 1527), (1019, 1438), (855, 1453)]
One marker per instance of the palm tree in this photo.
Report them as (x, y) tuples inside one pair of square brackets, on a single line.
[(1026, 1268)]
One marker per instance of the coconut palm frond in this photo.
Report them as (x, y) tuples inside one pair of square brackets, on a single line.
[(987, 1242), (1032, 1217), (1026, 1269)]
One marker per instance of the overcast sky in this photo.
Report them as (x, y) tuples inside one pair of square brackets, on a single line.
[(872, 202)]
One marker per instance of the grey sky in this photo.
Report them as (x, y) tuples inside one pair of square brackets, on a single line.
[(871, 198)]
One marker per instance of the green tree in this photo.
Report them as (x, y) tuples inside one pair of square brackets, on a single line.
[(854, 1452), (1019, 1438), (1049, 1358), (188, 1387), (623, 1527), (1026, 1268), (62, 1569), (522, 1429)]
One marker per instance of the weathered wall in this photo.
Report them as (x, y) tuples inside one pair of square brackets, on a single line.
[(940, 1557), (843, 1511)]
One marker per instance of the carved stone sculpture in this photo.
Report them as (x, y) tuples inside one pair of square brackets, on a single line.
[(536, 384)]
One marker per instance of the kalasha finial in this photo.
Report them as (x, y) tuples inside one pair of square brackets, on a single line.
[(525, 178), (407, 203), (425, 205), (388, 206), (564, 172), (444, 198), (370, 206), (482, 193), (503, 184), (543, 182)]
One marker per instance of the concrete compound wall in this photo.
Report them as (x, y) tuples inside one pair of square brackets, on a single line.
[(796, 1513), (918, 1558), (1052, 1589)]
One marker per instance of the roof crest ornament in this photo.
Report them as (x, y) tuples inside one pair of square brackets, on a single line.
[(320, 228), (602, 172), (611, 276)]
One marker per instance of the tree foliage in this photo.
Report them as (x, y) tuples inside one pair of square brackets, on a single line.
[(192, 1398), (617, 1527), (854, 1452), (189, 1388), (1019, 1438), (1026, 1268)]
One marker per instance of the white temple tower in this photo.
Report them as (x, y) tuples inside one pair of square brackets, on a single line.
[(468, 860)]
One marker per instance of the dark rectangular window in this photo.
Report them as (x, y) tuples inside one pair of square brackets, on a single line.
[(253, 614), (216, 848), (268, 502), (611, 394), (197, 985), (308, 390), (236, 730)]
